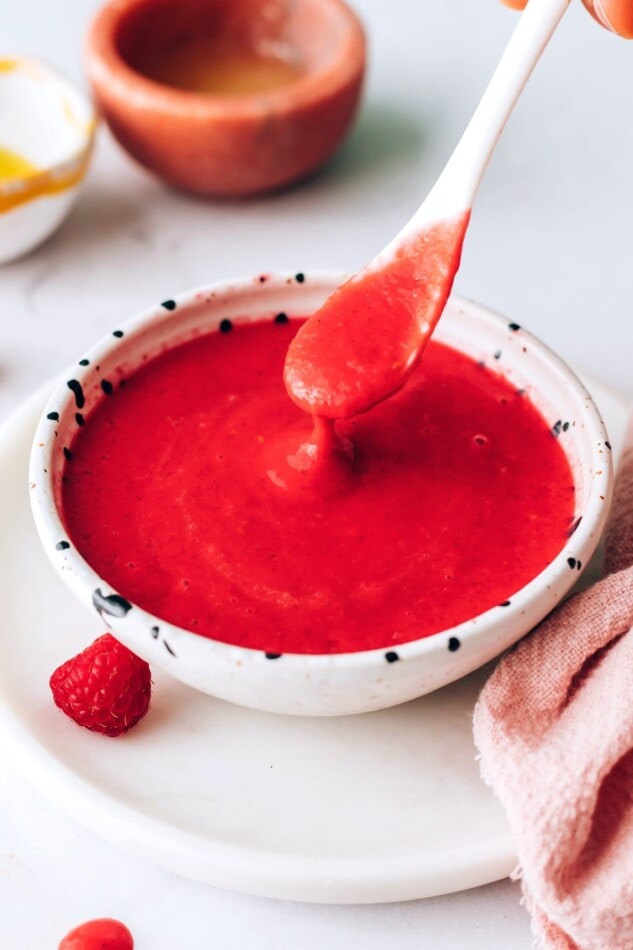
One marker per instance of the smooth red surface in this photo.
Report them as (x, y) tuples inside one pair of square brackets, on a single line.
[(363, 343), (197, 492), (102, 934)]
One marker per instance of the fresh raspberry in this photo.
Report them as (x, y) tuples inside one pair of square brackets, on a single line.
[(103, 934), (106, 688)]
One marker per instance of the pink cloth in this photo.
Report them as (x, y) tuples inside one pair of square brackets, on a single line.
[(554, 726)]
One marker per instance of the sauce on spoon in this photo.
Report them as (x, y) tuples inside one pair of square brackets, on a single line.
[(361, 346), (367, 338)]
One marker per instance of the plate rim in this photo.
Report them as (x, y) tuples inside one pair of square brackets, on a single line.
[(258, 872)]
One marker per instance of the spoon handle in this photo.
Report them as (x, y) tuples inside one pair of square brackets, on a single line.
[(363, 343), (455, 189)]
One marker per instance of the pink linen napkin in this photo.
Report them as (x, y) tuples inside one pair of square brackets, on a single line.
[(554, 728)]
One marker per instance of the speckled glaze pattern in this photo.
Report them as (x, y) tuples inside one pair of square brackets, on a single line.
[(333, 684)]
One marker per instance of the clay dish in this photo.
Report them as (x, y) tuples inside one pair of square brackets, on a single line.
[(221, 144)]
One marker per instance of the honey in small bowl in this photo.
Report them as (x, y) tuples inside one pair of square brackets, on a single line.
[(202, 65)]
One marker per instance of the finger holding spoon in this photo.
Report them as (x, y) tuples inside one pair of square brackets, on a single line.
[(615, 15)]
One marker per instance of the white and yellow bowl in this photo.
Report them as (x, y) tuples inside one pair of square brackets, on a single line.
[(46, 133)]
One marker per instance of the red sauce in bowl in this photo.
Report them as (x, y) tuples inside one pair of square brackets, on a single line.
[(199, 492)]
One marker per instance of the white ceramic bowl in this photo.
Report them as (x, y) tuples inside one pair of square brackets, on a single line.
[(47, 122), (337, 684)]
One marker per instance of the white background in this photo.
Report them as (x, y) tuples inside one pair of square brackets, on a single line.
[(550, 245)]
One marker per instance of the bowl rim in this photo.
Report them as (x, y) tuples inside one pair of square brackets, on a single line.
[(105, 64), (74, 164), (84, 580)]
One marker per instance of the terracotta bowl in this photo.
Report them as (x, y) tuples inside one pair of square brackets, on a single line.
[(338, 683), (228, 145)]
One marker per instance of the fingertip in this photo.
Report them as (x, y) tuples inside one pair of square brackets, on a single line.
[(615, 15), (515, 4)]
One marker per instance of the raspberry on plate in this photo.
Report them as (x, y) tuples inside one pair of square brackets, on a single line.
[(106, 688), (102, 934)]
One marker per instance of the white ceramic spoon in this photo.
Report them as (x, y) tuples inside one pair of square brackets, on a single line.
[(361, 346)]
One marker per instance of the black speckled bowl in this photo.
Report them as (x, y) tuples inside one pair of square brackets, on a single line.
[(333, 684)]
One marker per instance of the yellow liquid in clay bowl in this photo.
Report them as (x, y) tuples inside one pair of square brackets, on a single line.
[(204, 66)]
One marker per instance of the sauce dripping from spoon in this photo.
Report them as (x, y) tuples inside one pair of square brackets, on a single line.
[(364, 342)]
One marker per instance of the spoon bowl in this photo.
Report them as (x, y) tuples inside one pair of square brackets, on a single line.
[(363, 344)]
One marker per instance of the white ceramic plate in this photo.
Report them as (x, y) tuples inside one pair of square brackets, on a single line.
[(380, 807)]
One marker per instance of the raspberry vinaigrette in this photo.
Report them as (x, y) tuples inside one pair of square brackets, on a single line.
[(201, 493)]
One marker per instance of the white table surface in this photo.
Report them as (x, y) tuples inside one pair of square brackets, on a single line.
[(550, 246)]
